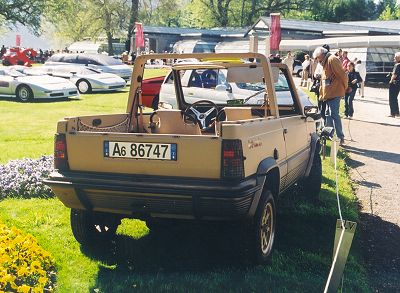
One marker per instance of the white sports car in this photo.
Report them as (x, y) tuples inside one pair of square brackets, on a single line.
[(13, 83), (86, 79)]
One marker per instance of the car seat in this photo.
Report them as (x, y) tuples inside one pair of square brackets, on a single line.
[(209, 78)]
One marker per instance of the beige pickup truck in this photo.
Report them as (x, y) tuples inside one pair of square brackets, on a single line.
[(204, 159)]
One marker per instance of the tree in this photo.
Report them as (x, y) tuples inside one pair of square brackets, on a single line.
[(113, 15), (26, 12), (390, 13), (133, 18), (77, 21)]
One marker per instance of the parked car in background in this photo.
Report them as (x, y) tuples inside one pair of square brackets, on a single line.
[(86, 79), (297, 68), (18, 56), (152, 87), (25, 88), (199, 84), (106, 63)]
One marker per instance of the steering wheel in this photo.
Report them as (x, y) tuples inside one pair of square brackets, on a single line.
[(204, 119)]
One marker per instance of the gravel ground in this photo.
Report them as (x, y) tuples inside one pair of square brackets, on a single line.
[(373, 143)]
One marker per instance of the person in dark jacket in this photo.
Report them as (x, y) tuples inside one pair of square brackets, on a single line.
[(394, 87), (354, 79)]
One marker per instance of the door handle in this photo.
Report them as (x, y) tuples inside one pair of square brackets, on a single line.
[(285, 130)]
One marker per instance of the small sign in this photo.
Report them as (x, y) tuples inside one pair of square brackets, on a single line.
[(343, 238)]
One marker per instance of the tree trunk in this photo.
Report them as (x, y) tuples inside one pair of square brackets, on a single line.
[(109, 41), (133, 18)]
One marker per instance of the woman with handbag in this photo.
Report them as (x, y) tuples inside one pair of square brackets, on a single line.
[(354, 79)]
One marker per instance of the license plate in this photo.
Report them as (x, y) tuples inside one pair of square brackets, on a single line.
[(132, 150)]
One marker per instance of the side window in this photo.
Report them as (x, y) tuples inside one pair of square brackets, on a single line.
[(82, 60), (170, 79), (91, 61)]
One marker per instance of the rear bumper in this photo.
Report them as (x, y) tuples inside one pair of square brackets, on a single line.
[(155, 196)]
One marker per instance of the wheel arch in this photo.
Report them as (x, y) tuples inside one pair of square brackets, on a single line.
[(268, 177)]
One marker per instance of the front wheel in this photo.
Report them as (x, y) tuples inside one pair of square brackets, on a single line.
[(260, 236), (84, 86), (89, 227), (24, 93)]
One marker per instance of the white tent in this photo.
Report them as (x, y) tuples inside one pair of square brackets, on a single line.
[(85, 47), (392, 41)]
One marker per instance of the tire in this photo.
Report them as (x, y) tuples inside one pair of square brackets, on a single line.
[(84, 86), (89, 227), (311, 186), (24, 93), (260, 236)]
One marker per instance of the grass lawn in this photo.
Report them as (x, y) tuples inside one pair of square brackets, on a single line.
[(183, 258), (27, 129)]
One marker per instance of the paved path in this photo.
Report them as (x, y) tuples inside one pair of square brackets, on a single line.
[(373, 142)]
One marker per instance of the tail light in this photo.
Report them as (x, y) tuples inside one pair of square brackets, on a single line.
[(232, 159), (60, 152)]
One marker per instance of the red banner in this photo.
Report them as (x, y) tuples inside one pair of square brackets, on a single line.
[(139, 37), (275, 31), (18, 40)]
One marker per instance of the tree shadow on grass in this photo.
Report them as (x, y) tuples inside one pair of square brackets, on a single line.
[(210, 257)]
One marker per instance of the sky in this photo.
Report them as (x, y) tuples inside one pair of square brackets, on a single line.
[(28, 40)]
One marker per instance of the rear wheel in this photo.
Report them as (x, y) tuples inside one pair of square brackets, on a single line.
[(260, 236), (89, 227), (24, 93), (83, 86)]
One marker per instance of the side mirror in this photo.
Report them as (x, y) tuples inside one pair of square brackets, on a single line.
[(312, 111), (224, 88), (221, 88)]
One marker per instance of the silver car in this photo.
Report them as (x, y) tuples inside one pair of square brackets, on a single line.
[(86, 79), (106, 63), (25, 88)]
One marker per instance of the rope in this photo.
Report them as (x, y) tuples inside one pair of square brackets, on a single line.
[(120, 127), (341, 222), (337, 184)]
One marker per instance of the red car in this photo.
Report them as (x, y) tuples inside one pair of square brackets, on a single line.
[(18, 56), (151, 90)]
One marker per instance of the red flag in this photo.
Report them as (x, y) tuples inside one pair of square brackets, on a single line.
[(139, 38), (275, 31), (18, 40)]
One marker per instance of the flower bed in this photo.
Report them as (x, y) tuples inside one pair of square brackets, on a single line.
[(24, 178), (24, 265)]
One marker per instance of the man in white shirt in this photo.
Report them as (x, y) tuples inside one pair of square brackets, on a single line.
[(289, 61), (360, 68)]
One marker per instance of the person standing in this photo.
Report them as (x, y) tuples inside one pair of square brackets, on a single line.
[(333, 85), (317, 84), (289, 61), (394, 87), (345, 60), (306, 71), (360, 68), (354, 78)]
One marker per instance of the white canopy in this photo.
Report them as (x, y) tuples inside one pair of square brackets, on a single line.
[(392, 41), (86, 47)]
